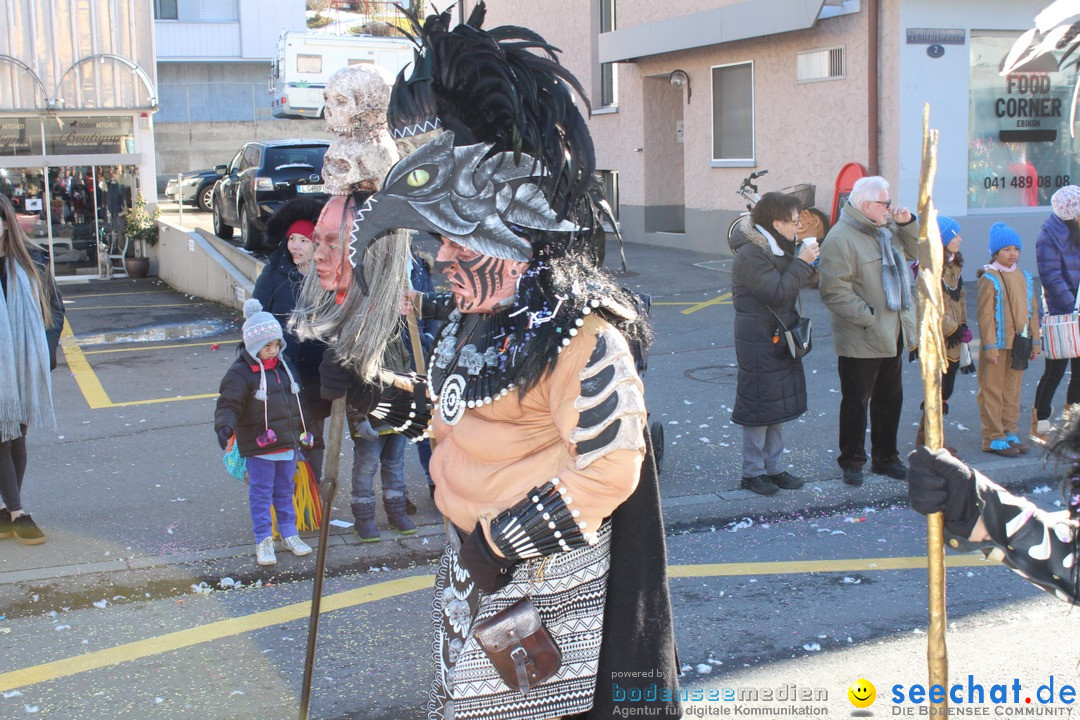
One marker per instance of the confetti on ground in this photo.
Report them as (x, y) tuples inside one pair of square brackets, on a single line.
[(852, 581), (812, 647), (960, 426), (704, 669), (12, 693), (341, 523), (1040, 490), (101, 604)]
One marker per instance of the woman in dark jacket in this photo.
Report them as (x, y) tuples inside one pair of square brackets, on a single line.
[(31, 316), (1057, 252), (290, 229), (766, 279)]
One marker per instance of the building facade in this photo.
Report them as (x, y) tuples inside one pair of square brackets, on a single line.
[(78, 91), (691, 96)]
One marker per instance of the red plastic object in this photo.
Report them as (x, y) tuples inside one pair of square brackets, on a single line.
[(215, 346), (845, 179)]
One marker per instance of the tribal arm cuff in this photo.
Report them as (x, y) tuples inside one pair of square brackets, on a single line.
[(544, 523), (1039, 546), (402, 403)]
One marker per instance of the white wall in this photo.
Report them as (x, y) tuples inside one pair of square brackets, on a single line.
[(944, 83)]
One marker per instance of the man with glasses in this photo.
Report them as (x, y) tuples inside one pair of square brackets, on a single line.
[(867, 286)]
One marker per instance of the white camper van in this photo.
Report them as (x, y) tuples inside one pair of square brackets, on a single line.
[(305, 62)]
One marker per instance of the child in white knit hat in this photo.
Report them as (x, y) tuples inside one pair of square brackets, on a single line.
[(260, 405)]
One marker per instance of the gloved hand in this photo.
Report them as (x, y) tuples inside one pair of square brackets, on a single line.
[(223, 434), (957, 336), (490, 572), (334, 380), (938, 482), (913, 354)]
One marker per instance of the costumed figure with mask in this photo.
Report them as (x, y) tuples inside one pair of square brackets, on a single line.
[(541, 462)]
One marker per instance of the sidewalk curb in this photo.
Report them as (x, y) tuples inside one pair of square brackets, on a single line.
[(174, 575)]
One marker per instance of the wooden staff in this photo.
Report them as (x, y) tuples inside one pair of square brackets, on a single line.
[(932, 363), (330, 473)]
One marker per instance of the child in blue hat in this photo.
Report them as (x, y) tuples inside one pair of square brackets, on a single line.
[(1009, 338)]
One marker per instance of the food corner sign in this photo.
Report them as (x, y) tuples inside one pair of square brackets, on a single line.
[(1031, 101)]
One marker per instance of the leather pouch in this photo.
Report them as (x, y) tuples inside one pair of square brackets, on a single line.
[(519, 646)]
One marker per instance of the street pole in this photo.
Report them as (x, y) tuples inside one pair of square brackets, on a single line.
[(932, 363), (330, 485), (180, 187)]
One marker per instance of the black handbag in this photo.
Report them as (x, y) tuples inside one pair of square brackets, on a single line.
[(798, 336)]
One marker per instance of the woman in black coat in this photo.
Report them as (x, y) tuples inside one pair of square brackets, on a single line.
[(289, 231), (766, 278)]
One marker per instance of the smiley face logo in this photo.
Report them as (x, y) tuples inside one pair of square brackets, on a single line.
[(862, 693)]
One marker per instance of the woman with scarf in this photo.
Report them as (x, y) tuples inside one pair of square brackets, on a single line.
[(31, 316), (766, 279)]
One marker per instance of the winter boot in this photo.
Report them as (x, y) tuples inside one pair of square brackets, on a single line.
[(365, 528), (1040, 429), (399, 519)]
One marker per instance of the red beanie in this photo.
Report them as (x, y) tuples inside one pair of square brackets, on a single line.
[(304, 227)]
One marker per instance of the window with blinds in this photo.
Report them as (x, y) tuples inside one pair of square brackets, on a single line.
[(817, 65), (733, 112), (219, 10)]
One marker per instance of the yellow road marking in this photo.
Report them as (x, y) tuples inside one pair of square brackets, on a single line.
[(207, 633), (75, 298), (142, 348), (91, 386), (381, 591), (134, 307), (808, 566), (693, 307), (85, 377)]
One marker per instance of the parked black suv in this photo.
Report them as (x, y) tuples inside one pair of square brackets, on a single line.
[(261, 178)]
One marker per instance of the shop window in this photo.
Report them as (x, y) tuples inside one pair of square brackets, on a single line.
[(309, 63), (733, 114), (165, 10), (1020, 150)]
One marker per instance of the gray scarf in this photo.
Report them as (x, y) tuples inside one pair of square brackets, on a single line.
[(25, 385), (894, 271)]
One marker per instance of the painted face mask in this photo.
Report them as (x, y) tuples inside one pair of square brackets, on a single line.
[(331, 247), (479, 282)]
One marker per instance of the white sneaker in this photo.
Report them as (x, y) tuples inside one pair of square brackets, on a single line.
[(299, 547), (264, 552), (1043, 427)]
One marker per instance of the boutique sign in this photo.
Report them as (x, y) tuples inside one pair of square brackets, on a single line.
[(87, 135)]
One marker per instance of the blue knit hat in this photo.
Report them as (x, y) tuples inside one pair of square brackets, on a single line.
[(1002, 236), (948, 228)]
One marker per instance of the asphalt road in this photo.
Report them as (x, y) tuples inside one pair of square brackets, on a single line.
[(745, 619)]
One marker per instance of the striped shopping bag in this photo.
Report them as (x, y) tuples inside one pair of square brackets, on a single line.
[(1061, 333)]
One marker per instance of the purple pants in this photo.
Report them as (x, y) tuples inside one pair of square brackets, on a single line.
[(271, 482)]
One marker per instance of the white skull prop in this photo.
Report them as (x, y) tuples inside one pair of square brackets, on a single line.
[(355, 99), (358, 162)]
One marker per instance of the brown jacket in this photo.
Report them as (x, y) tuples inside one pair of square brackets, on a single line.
[(998, 319), (955, 313), (496, 453)]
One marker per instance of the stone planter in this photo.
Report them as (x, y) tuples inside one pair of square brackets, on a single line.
[(137, 267)]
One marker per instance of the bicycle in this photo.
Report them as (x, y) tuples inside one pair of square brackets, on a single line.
[(814, 221)]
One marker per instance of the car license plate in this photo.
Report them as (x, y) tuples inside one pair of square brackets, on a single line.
[(309, 189)]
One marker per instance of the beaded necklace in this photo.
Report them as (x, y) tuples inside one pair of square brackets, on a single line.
[(478, 357)]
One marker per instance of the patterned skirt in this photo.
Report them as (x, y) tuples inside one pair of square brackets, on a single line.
[(568, 591)]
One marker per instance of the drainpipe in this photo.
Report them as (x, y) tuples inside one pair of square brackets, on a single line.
[(873, 131)]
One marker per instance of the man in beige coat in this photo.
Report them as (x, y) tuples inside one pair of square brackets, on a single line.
[(866, 284)]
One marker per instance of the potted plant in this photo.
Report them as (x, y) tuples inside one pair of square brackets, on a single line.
[(141, 229)]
